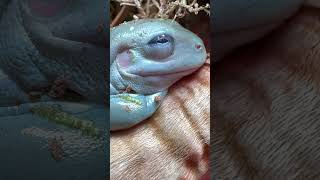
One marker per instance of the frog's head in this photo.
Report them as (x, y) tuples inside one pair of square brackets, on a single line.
[(155, 54)]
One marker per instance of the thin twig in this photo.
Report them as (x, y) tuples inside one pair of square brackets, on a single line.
[(120, 16), (167, 9)]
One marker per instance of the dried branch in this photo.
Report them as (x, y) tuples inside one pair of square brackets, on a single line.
[(120, 16), (167, 9)]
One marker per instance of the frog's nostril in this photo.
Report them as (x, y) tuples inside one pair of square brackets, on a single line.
[(198, 47)]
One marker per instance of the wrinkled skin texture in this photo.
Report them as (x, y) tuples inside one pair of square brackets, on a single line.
[(266, 106), (239, 22), (147, 67)]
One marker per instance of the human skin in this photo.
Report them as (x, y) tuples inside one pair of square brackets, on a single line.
[(270, 88), (269, 127)]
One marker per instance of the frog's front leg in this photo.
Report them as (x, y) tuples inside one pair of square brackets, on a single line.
[(127, 110)]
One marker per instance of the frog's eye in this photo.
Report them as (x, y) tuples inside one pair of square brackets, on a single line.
[(160, 47), (161, 39), (46, 8)]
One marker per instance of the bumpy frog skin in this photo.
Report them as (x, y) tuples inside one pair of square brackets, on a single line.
[(147, 57), (237, 22)]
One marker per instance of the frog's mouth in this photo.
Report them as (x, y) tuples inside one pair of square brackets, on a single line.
[(171, 73)]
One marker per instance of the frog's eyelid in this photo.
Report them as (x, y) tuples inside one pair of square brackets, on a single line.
[(155, 39)]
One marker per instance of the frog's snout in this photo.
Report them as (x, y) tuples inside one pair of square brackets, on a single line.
[(198, 46), (200, 50)]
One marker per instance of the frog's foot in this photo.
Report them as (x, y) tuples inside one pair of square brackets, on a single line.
[(127, 110)]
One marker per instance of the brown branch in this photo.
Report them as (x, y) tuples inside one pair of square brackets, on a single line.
[(120, 16), (167, 9)]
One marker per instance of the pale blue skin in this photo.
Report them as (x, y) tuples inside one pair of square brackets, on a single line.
[(238, 22), (146, 72)]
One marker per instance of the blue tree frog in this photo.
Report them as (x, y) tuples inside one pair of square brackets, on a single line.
[(147, 57)]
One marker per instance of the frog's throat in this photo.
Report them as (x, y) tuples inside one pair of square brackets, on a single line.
[(116, 81)]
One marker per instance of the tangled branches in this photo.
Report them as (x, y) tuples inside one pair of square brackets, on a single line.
[(166, 9)]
